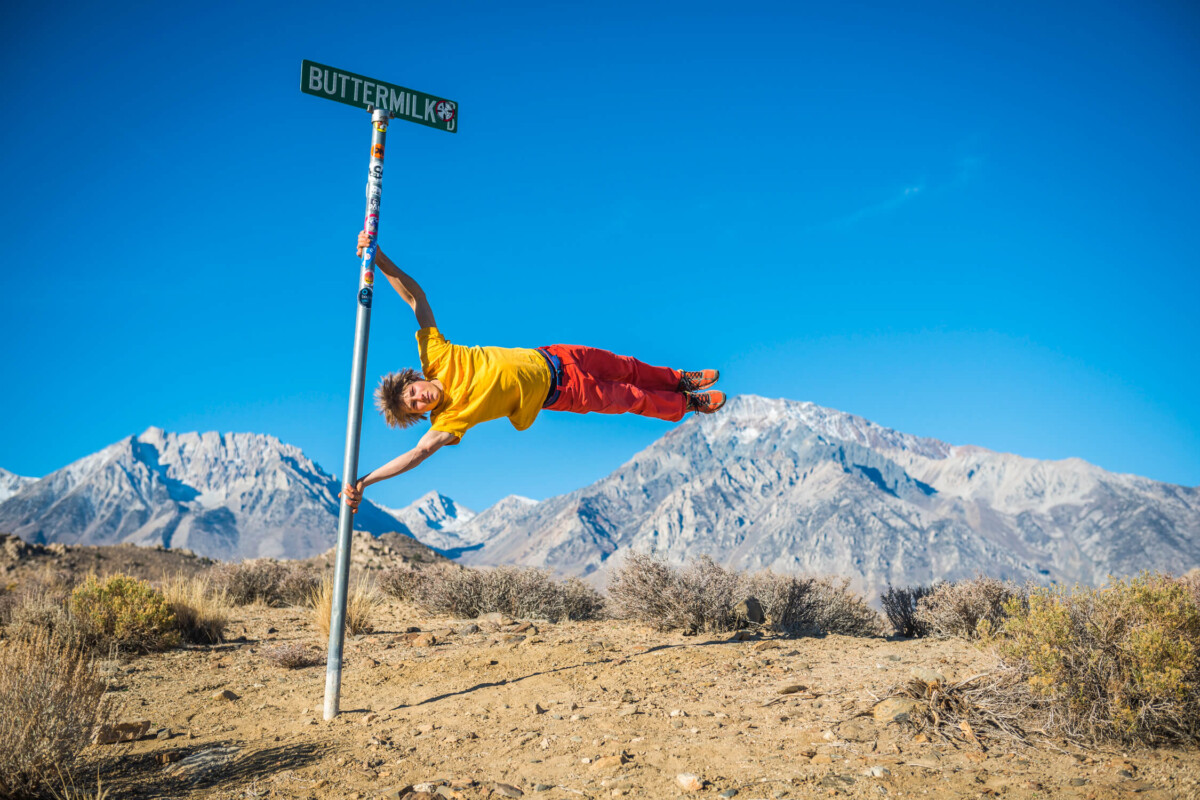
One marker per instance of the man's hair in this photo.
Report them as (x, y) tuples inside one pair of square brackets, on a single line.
[(389, 398)]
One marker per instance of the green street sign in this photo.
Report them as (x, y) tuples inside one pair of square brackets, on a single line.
[(360, 92)]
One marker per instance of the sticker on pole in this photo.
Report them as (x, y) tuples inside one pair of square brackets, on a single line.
[(360, 91)]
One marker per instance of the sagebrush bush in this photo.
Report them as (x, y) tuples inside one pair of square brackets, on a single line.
[(1122, 662), (579, 601), (294, 655), (51, 700), (296, 586), (836, 609), (123, 611), (1191, 582), (529, 593), (967, 609), (201, 610), (362, 602), (521, 592), (900, 605), (785, 599), (262, 580), (399, 581), (702, 596), (448, 589)]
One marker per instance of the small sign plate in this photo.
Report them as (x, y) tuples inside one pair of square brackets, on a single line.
[(360, 92)]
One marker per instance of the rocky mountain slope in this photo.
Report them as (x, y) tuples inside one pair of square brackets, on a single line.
[(798, 488), (11, 483), (434, 519), (226, 496)]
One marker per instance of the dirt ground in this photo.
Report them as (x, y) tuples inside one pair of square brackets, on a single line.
[(572, 710)]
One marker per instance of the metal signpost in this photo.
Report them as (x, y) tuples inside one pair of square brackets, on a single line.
[(385, 101)]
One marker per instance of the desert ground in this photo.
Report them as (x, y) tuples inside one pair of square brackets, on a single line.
[(484, 708), (499, 707)]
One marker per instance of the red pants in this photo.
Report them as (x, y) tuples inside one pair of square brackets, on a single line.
[(600, 381)]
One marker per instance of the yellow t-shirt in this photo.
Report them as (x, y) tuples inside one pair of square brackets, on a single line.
[(483, 383)]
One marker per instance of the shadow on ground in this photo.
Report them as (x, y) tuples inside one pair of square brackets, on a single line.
[(142, 776)]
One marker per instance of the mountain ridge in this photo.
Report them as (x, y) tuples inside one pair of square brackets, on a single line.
[(796, 487), (228, 496)]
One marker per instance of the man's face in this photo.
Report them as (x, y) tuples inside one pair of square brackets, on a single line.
[(421, 396)]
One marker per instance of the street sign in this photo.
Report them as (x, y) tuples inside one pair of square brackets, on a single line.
[(360, 91)]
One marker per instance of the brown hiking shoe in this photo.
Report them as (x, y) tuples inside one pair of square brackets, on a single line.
[(704, 402), (695, 381)]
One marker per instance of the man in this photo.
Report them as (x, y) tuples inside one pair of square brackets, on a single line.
[(459, 387)]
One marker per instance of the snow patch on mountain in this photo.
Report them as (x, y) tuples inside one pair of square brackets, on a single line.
[(229, 496), (11, 483)]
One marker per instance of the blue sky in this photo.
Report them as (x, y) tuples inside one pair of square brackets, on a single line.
[(971, 222)]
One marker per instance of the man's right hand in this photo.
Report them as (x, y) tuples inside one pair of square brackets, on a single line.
[(363, 240), (353, 495)]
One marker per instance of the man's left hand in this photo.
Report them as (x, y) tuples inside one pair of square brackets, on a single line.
[(353, 495)]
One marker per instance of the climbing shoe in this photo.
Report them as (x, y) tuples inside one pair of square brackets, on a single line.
[(695, 381), (704, 402)]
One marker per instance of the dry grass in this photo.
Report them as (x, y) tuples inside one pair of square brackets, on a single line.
[(294, 655), (523, 593), (900, 606), (201, 610), (1119, 663), (702, 596), (967, 609), (51, 700), (264, 580), (362, 602)]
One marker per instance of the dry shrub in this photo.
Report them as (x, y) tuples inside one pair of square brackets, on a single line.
[(201, 610), (580, 601), (362, 601), (296, 585), (967, 609), (294, 655), (699, 597), (449, 589), (39, 602), (50, 702), (123, 612), (1122, 662), (900, 605), (835, 609), (399, 582), (528, 593), (1191, 582), (702, 596), (995, 705), (519, 592), (785, 601), (263, 580)]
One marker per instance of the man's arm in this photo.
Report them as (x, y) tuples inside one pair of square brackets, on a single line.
[(403, 283), (430, 443)]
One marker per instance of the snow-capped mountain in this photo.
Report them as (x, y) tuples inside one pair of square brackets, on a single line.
[(438, 522), (11, 483), (229, 496), (433, 518), (799, 488)]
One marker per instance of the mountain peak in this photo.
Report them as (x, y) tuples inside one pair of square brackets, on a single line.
[(754, 415), (237, 495)]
